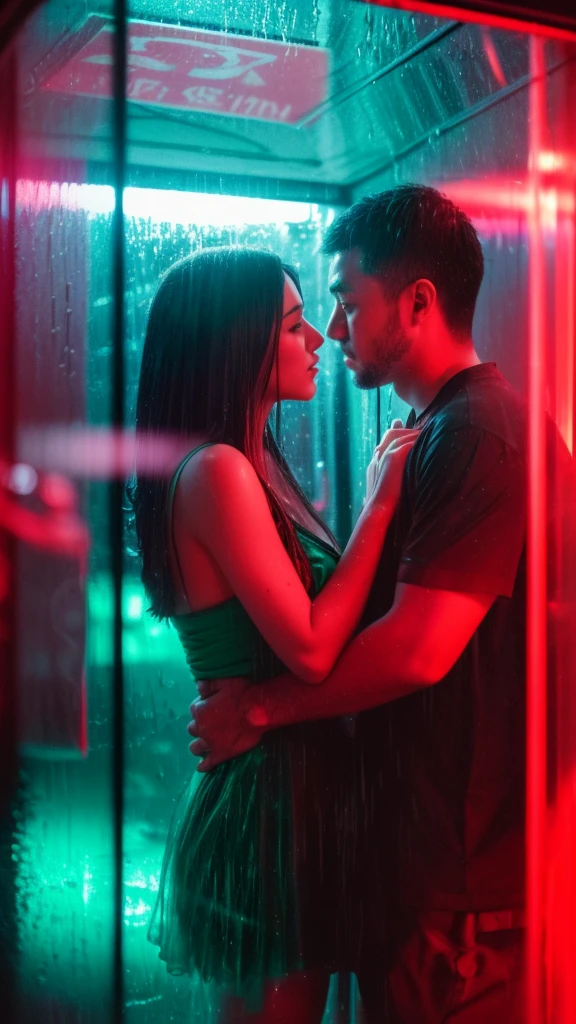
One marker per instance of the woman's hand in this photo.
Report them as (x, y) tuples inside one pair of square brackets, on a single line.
[(386, 469)]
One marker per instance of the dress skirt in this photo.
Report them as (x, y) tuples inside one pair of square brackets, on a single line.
[(253, 874)]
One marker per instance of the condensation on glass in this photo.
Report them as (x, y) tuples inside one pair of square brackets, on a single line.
[(237, 153)]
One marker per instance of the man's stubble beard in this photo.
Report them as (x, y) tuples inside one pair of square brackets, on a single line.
[(391, 348)]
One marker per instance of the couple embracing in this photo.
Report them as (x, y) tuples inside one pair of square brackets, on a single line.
[(302, 846)]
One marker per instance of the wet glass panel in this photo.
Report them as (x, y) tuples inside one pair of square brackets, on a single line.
[(302, 110), (159, 685), (64, 842), (446, 104), (508, 160)]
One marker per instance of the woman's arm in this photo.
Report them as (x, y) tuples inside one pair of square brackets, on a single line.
[(223, 506)]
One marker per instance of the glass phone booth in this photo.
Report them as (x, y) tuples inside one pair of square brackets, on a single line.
[(133, 135)]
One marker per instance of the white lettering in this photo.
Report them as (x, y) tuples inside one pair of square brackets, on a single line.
[(234, 61), (253, 78), (136, 61), (252, 104), (146, 89), (203, 94), (268, 110)]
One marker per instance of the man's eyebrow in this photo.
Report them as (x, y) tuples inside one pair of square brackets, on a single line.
[(293, 310), (340, 287)]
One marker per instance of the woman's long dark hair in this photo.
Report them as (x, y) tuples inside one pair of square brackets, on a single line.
[(211, 343)]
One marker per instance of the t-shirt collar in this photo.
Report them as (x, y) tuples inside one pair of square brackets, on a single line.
[(450, 388)]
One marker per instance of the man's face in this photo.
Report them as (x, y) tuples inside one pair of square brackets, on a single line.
[(365, 322)]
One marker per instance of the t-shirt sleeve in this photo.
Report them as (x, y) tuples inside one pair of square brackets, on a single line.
[(468, 512)]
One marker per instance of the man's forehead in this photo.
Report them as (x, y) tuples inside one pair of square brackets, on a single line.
[(344, 267), (345, 273)]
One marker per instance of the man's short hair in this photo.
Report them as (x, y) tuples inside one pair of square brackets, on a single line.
[(411, 232)]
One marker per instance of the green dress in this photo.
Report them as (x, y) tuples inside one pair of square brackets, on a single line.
[(249, 883)]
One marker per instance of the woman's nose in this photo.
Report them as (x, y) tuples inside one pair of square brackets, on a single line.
[(313, 338)]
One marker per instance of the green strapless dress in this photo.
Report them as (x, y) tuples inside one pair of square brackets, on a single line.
[(250, 881)]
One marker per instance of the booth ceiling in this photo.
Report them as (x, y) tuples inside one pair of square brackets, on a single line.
[(325, 92)]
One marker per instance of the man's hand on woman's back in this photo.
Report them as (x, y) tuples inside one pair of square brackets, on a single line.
[(218, 725)]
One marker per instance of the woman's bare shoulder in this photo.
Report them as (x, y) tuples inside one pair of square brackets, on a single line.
[(214, 474)]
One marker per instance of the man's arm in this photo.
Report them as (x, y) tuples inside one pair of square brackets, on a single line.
[(463, 547), (414, 645)]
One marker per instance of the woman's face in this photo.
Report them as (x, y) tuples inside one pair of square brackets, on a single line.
[(297, 347)]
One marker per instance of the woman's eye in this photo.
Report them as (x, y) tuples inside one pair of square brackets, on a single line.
[(296, 327)]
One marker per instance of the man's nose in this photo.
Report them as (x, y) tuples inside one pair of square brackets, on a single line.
[(337, 327)]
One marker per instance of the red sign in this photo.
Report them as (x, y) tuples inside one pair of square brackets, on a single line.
[(190, 69)]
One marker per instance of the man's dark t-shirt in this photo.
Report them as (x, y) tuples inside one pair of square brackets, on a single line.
[(442, 770)]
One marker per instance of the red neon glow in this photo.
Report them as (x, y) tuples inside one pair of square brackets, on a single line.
[(493, 58), (60, 530), (48, 195), (564, 329), (541, 204), (561, 906), (479, 18), (498, 197), (536, 561)]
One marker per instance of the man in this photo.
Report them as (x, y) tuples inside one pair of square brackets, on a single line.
[(437, 673)]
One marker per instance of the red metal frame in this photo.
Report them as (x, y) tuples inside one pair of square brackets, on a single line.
[(540, 24), (536, 556), (543, 22)]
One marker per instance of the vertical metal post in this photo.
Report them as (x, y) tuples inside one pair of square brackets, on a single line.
[(8, 678), (117, 493), (536, 554)]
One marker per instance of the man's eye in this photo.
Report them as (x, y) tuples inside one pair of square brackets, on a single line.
[(346, 307)]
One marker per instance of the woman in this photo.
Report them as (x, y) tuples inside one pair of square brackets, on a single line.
[(236, 557)]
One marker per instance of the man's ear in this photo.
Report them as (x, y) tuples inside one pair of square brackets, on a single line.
[(423, 299)]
